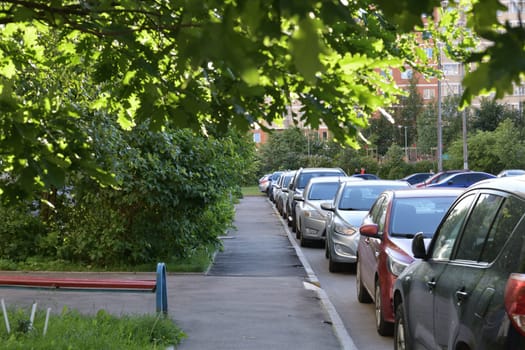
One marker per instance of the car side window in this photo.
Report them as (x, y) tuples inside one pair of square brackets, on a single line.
[(449, 230), (508, 218), (478, 226)]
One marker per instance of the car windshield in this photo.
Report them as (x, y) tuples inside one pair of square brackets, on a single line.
[(286, 180), (305, 177), (323, 191), (413, 215), (360, 198)]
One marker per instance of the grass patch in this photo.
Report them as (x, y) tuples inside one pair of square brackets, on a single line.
[(71, 330), (252, 191), (199, 261)]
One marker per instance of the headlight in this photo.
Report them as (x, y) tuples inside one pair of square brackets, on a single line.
[(314, 214), (345, 230), (395, 266)]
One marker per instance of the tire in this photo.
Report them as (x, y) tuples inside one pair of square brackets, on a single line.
[(326, 252), (362, 294), (383, 327), (401, 335), (333, 266), (304, 242)]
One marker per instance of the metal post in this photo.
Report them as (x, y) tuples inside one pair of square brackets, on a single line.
[(439, 122), (406, 144)]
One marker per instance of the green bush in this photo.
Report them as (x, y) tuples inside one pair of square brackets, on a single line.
[(20, 232)]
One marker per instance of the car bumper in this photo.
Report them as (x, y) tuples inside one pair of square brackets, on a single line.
[(314, 229), (344, 248)]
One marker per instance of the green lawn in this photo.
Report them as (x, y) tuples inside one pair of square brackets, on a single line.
[(252, 191)]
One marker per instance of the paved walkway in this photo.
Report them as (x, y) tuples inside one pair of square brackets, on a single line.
[(257, 295)]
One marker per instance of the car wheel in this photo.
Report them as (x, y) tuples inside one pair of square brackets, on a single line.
[(326, 251), (401, 336), (333, 266), (362, 294), (304, 242), (384, 328)]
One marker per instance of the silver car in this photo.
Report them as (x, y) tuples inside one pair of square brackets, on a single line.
[(352, 202), (281, 191), (310, 218)]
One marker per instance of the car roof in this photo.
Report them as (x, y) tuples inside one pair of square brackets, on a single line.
[(512, 184), (333, 179), (377, 183), (313, 170), (428, 192)]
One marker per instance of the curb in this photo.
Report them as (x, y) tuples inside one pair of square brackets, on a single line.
[(313, 283)]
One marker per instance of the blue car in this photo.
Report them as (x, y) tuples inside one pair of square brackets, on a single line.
[(463, 179)]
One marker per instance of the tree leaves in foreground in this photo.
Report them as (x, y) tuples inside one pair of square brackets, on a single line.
[(211, 65)]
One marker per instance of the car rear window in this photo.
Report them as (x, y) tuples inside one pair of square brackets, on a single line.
[(305, 177), (323, 191)]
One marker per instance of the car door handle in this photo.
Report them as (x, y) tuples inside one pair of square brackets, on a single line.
[(461, 295), (431, 284)]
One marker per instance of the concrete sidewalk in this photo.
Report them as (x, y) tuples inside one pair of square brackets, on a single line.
[(246, 301)]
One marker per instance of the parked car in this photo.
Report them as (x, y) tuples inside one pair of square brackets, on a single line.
[(383, 250), (264, 182), (366, 176), (273, 179), (438, 177), (281, 193), (467, 291), (511, 172), (352, 202), (417, 178), (310, 218), (464, 179), (301, 178)]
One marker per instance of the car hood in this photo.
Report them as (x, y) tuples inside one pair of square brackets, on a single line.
[(353, 217), (405, 244)]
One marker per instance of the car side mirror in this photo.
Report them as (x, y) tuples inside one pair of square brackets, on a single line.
[(327, 206), (369, 230), (298, 197), (418, 246)]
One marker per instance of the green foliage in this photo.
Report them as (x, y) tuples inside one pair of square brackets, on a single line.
[(20, 232), (492, 151), (71, 330)]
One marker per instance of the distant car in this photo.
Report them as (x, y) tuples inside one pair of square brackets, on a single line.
[(467, 289), (264, 183), (352, 202), (310, 218), (366, 176), (511, 172), (273, 179), (301, 178), (417, 178), (438, 177), (464, 180), (281, 193), (384, 245)]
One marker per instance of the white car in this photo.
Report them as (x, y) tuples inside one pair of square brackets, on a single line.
[(309, 216), (347, 211)]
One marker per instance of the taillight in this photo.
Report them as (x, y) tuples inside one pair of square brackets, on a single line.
[(515, 301)]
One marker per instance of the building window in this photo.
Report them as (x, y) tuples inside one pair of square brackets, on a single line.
[(519, 90), (325, 135), (451, 69), (406, 74), (429, 52), (257, 137), (429, 94), (453, 89)]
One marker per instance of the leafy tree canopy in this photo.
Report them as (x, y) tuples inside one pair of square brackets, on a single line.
[(211, 64)]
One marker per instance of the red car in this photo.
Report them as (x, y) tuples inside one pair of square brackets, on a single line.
[(384, 248)]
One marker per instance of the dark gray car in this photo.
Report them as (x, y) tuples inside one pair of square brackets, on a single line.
[(467, 291)]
